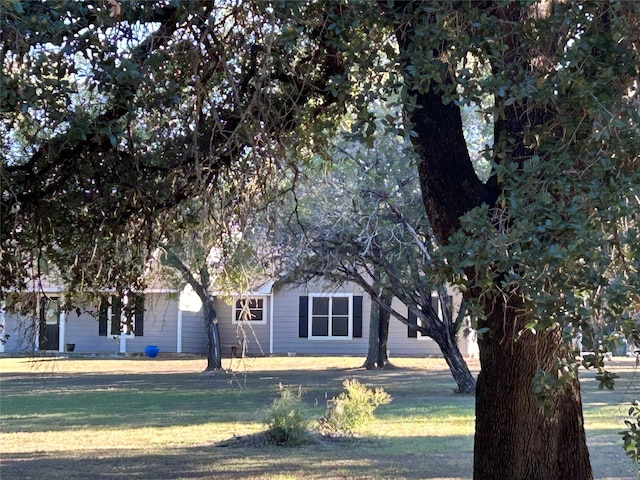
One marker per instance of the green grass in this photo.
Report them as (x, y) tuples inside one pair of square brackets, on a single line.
[(159, 419)]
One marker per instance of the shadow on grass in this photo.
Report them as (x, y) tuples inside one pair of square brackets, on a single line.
[(366, 459), (58, 403), (37, 402)]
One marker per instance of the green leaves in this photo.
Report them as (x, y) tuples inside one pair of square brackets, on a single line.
[(631, 434), (548, 386)]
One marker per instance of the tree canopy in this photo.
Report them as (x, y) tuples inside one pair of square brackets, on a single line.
[(116, 113)]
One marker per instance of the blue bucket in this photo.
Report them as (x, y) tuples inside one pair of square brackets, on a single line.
[(151, 351)]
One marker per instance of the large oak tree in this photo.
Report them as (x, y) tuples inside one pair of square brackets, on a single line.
[(531, 240)]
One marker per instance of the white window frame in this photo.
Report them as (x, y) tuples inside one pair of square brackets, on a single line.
[(111, 317), (250, 322), (349, 320)]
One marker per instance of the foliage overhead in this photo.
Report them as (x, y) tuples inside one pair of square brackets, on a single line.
[(113, 114), (361, 219)]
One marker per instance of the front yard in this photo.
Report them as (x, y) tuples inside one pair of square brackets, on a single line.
[(165, 419)]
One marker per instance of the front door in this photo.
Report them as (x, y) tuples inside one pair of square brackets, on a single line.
[(50, 324)]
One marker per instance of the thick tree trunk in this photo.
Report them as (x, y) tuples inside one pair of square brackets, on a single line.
[(514, 440), (377, 355), (214, 351), (458, 367)]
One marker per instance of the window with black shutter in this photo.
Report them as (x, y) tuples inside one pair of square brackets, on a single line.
[(121, 315), (413, 320), (330, 316)]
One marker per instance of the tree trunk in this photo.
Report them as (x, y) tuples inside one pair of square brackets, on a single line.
[(377, 356), (514, 439), (385, 317), (374, 338), (446, 340), (214, 351)]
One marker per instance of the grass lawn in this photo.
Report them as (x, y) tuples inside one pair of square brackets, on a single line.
[(107, 418)]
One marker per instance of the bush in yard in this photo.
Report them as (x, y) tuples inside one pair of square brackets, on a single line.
[(353, 408), (285, 422)]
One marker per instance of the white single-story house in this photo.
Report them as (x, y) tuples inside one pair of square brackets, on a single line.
[(313, 319)]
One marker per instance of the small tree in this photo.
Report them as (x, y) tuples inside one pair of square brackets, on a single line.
[(370, 228), (214, 246)]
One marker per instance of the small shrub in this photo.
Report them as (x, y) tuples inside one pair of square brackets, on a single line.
[(285, 422), (352, 409), (631, 434)]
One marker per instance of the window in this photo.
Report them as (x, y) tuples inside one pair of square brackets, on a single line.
[(330, 316), (121, 315), (413, 319), (249, 310)]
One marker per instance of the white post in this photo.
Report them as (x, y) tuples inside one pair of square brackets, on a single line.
[(179, 333), (122, 320), (3, 322), (63, 321), (271, 324), (36, 336)]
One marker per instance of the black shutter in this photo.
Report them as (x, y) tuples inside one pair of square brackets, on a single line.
[(413, 320), (303, 317), (139, 315), (435, 304), (116, 311), (357, 317), (102, 317)]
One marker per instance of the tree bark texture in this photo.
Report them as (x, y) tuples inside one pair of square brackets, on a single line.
[(214, 353), (446, 340), (514, 439), (377, 354)]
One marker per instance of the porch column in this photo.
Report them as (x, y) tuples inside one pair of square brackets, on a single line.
[(122, 336), (271, 324), (36, 345), (3, 322), (63, 324), (179, 333)]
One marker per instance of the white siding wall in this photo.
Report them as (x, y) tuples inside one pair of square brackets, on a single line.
[(160, 328), (160, 318), (400, 344), (83, 331), (285, 327)]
